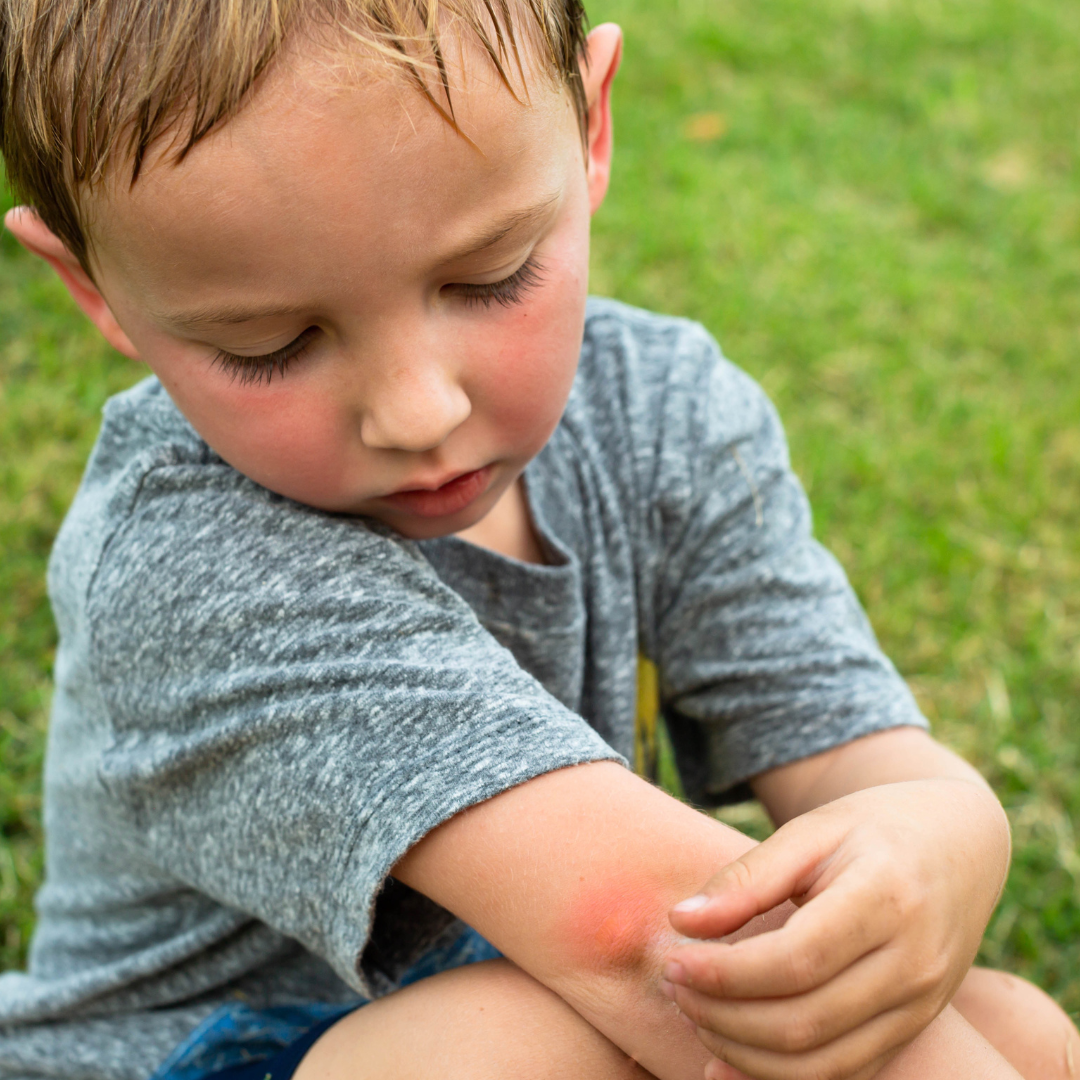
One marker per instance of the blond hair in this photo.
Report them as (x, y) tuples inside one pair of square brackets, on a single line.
[(85, 84)]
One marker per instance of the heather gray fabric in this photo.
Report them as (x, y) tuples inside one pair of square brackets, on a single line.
[(259, 707)]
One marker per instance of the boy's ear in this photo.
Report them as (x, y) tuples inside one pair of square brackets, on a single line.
[(34, 235), (601, 61)]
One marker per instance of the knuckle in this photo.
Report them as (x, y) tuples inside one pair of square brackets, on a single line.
[(937, 970), (804, 965), (826, 1068), (906, 902), (714, 979), (738, 874), (706, 969), (912, 1018), (927, 977), (689, 1006), (838, 1064), (712, 1042), (802, 1032)]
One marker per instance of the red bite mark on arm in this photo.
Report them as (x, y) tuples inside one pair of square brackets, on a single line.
[(612, 924)]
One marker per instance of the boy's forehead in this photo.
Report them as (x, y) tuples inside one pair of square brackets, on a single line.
[(315, 155)]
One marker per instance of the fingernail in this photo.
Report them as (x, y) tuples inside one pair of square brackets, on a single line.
[(675, 972), (693, 904), (667, 989)]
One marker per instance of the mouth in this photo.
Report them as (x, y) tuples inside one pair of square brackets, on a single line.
[(450, 497)]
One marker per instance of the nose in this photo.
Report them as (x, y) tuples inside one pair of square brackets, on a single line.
[(414, 408)]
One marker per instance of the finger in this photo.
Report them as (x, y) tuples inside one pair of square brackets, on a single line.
[(819, 940), (859, 1054), (721, 1070), (806, 1021), (783, 866)]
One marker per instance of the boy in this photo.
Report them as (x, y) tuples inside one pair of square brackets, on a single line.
[(351, 596)]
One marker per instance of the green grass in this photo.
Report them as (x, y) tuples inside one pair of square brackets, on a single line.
[(875, 205)]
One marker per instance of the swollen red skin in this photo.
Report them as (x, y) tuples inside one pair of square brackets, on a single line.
[(611, 924)]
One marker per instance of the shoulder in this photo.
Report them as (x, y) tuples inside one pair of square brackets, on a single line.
[(658, 394), (141, 430), (663, 374), (159, 517)]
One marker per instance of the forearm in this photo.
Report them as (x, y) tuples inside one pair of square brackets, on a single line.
[(902, 755), (887, 757), (572, 876)]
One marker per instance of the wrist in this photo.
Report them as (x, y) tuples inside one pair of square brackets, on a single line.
[(995, 828), (962, 831)]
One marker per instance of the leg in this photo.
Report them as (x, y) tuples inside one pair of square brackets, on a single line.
[(487, 1021), (1027, 1027), (997, 1025)]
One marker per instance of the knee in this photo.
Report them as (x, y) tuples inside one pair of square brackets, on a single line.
[(485, 1021), (1022, 1022), (986, 991)]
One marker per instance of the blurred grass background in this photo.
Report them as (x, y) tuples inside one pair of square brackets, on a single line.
[(875, 205)]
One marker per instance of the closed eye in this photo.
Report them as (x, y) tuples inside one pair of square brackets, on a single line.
[(510, 290), (248, 370)]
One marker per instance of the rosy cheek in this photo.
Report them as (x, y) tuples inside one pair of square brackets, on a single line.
[(278, 435), (533, 365)]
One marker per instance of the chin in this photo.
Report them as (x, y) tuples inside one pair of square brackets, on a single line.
[(425, 530), (414, 528)]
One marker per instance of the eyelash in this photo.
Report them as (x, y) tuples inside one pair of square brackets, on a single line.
[(256, 370), (511, 290)]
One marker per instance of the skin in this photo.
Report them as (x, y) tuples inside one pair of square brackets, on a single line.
[(562, 943), (354, 212), (345, 217)]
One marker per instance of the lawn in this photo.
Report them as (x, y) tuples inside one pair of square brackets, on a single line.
[(875, 206)]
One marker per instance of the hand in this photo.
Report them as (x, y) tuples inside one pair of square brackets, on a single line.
[(894, 887)]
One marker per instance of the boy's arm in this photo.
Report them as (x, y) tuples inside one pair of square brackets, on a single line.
[(896, 850), (886, 757), (572, 875)]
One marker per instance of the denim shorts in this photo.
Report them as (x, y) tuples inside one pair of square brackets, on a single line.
[(236, 1042)]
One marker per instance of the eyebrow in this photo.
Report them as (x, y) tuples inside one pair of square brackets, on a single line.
[(226, 315), (233, 314), (517, 219)]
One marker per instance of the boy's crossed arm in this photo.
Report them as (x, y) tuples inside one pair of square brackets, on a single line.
[(573, 875)]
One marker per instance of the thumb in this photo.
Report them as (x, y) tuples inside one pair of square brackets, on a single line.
[(781, 868)]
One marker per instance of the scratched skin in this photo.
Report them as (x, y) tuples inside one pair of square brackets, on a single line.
[(622, 921), (572, 876)]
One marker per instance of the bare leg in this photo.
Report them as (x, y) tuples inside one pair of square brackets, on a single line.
[(491, 1021), (1027, 1027), (487, 1021)]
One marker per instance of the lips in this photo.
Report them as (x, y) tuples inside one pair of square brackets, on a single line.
[(450, 498)]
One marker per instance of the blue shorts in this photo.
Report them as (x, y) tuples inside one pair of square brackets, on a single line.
[(237, 1042)]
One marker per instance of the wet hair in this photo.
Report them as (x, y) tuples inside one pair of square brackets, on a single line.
[(87, 86)]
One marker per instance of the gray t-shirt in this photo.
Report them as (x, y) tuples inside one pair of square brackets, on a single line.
[(260, 707)]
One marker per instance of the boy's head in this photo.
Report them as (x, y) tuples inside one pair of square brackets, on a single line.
[(351, 237)]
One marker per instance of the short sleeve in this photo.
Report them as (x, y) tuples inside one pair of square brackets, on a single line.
[(765, 654), (296, 699)]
